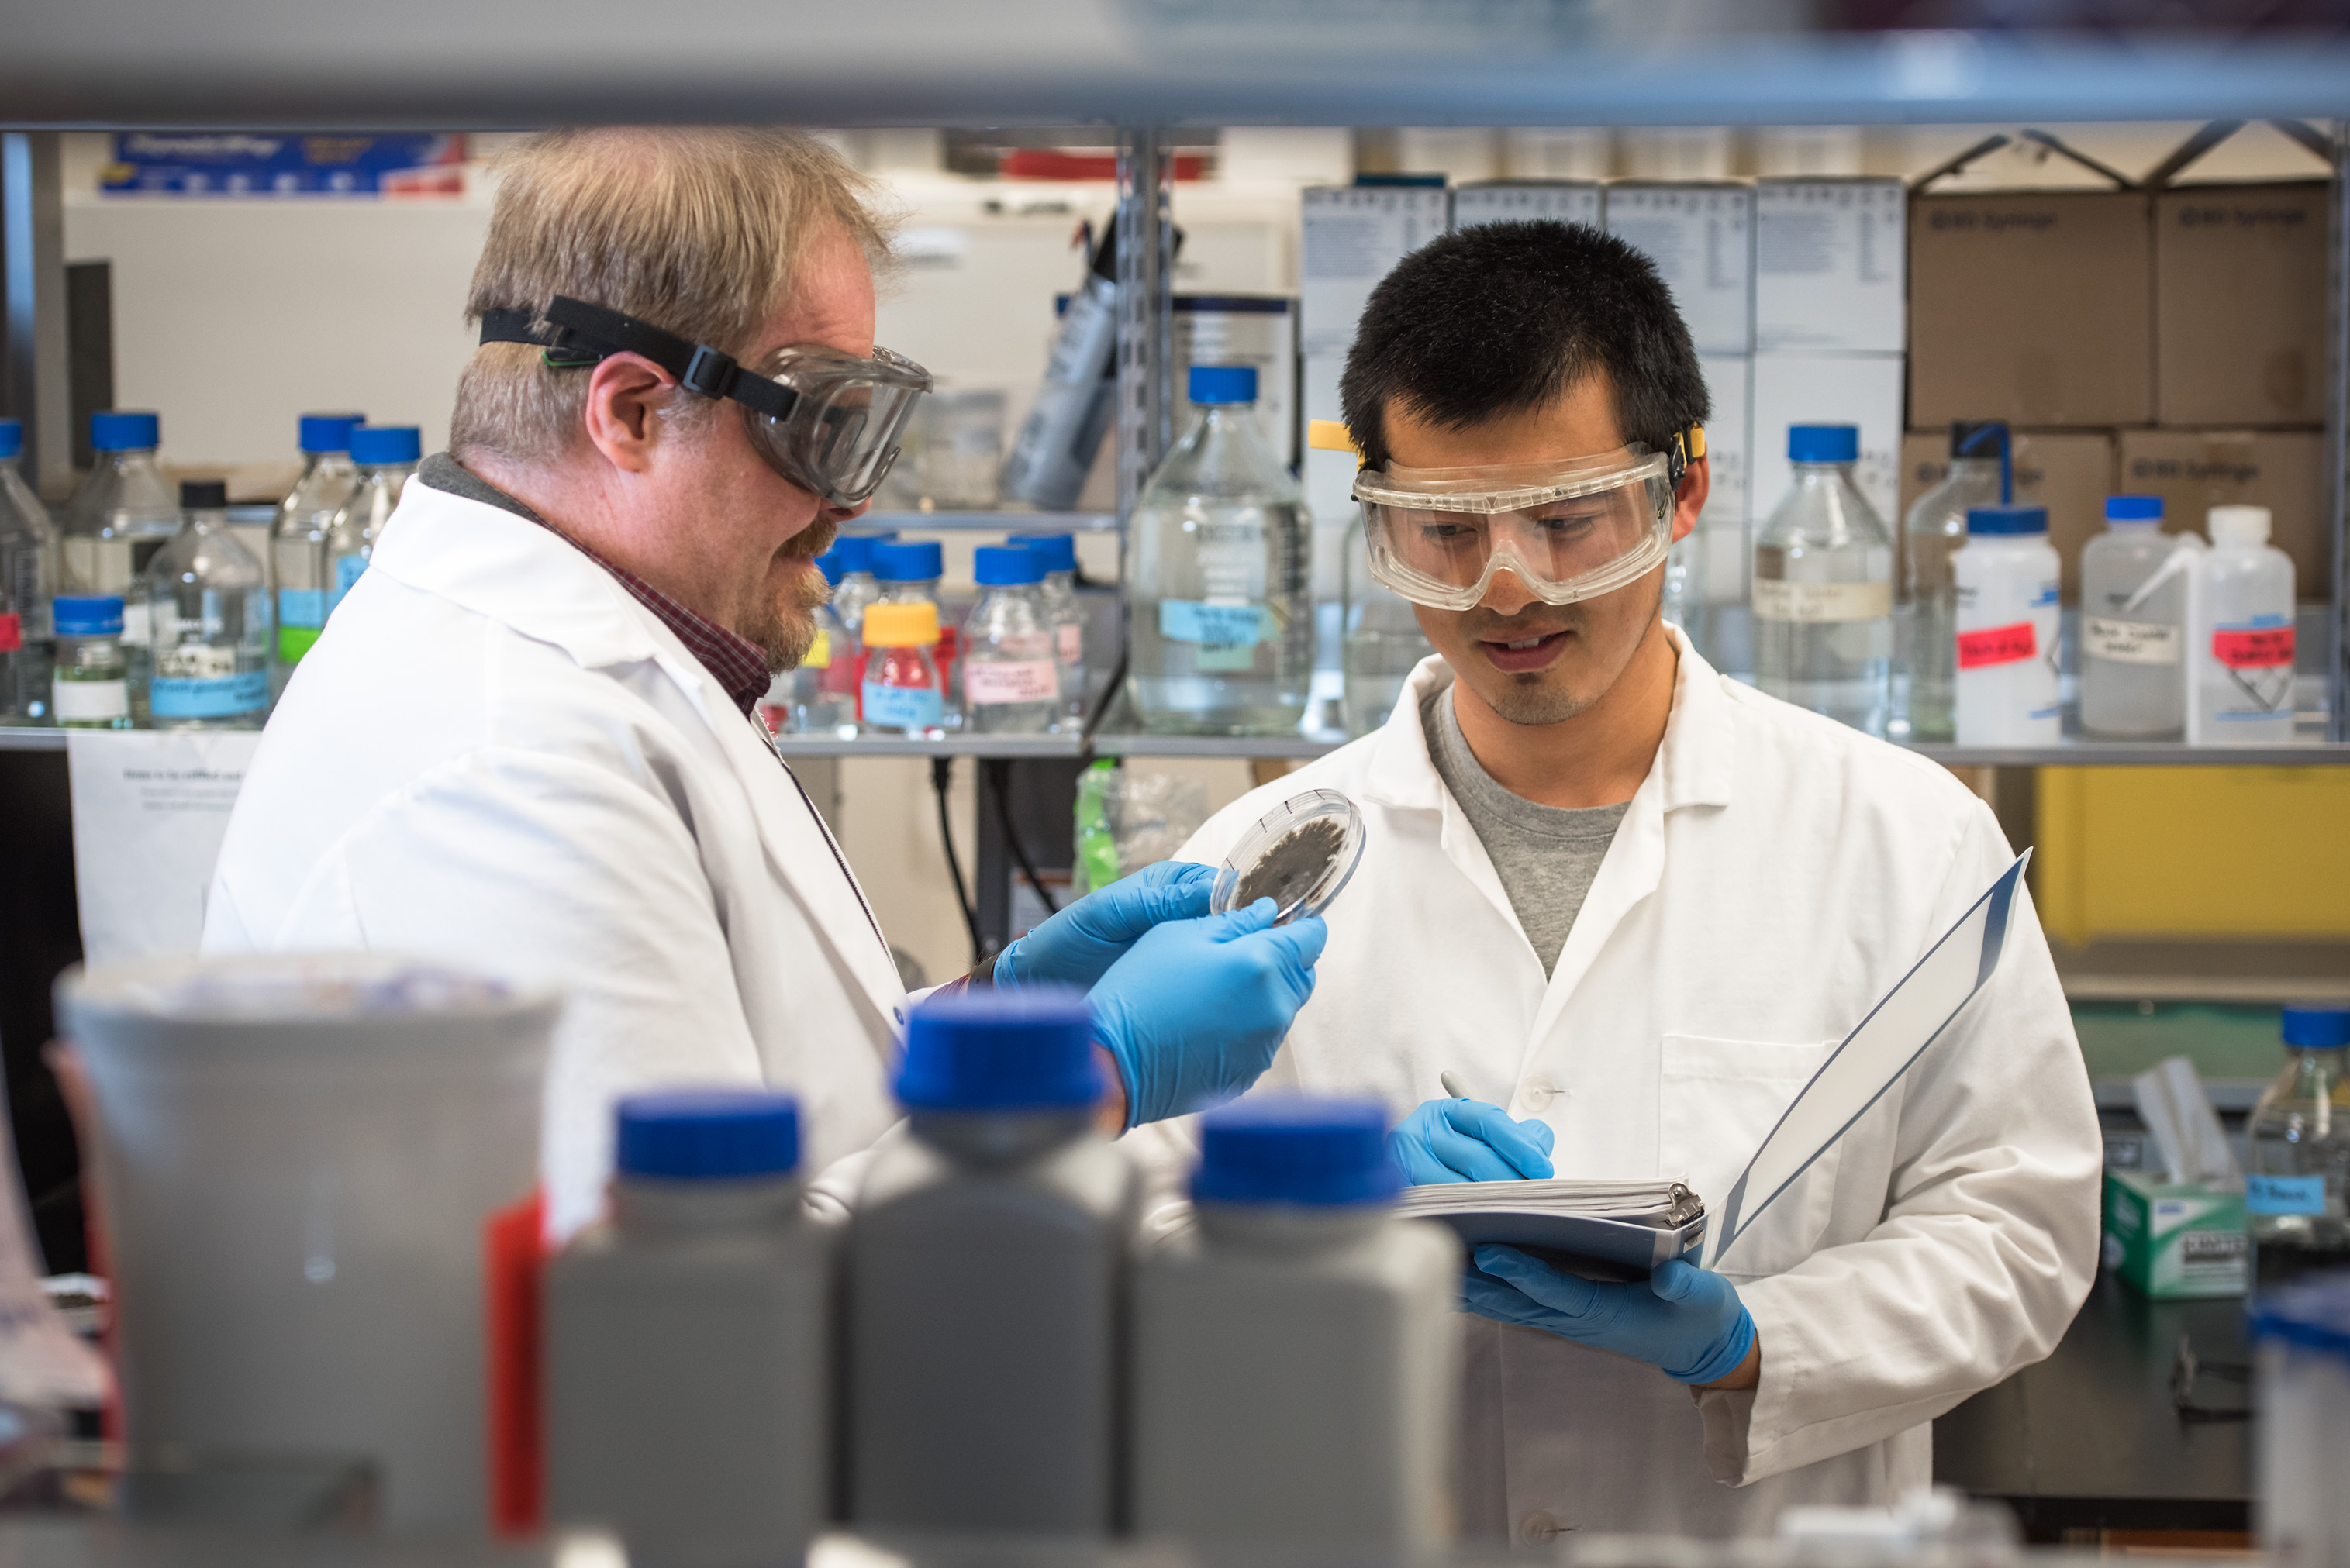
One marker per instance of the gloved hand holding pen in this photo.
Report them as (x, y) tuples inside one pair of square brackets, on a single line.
[(1462, 1139)]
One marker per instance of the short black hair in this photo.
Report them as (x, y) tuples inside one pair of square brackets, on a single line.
[(1503, 317)]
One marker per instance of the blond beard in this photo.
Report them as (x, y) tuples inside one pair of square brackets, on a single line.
[(787, 627)]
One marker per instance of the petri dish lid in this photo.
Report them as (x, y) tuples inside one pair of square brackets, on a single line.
[(1299, 854)]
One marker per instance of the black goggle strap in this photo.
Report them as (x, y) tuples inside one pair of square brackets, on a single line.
[(580, 334)]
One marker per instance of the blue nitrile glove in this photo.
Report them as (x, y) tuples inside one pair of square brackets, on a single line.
[(1078, 946), (1469, 1140), (1686, 1321), (1195, 1010)]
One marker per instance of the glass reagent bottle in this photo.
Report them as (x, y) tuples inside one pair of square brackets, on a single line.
[(119, 517), (1067, 614), (210, 608), (2298, 1137), (1980, 474), (31, 565), (92, 687), (298, 577), (385, 456), (902, 694), (1011, 674), (1824, 588)]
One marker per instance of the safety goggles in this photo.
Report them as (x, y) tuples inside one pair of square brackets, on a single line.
[(827, 421), (1570, 529)]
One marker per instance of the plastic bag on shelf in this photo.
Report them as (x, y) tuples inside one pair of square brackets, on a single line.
[(1127, 820)]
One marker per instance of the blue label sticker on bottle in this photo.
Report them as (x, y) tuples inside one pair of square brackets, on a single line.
[(903, 707), (347, 570), (2284, 1195), (1224, 625), (302, 607), (217, 697)]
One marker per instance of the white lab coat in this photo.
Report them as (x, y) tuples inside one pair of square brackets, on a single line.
[(1775, 874), (496, 756)]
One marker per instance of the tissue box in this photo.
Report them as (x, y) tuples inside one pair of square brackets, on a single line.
[(2175, 1240)]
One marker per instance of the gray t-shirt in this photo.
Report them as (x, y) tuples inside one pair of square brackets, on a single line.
[(1546, 856)]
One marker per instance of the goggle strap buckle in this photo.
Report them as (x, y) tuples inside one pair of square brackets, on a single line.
[(709, 372)]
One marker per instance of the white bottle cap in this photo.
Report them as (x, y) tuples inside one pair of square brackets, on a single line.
[(2240, 526)]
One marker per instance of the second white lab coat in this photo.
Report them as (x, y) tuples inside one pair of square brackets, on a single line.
[(495, 755), (1775, 875)]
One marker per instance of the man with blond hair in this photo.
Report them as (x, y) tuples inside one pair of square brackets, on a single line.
[(526, 739)]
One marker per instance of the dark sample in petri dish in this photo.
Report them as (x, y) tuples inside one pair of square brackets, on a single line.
[(1300, 855), (1291, 866)]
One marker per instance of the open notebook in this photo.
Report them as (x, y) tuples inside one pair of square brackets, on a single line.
[(1622, 1230)]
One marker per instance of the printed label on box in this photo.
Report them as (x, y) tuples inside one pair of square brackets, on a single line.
[(1010, 681), (2253, 647), (1221, 625), (1812, 603), (2130, 641), (2011, 644), (2284, 1195)]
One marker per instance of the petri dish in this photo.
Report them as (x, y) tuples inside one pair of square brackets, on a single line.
[(1299, 854)]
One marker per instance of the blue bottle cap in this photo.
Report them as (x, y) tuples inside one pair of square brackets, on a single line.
[(373, 445), (854, 551), (12, 438), (1059, 550), (77, 614), (1221, 384), (707, 1135), (1031, 1049), (899, 563), (1296, 1149), (329, 432), (2317, 1027), (1823, 443), (2129, 509), (1007, 566), (2007, 519), (111, 431), (2311, 1314)]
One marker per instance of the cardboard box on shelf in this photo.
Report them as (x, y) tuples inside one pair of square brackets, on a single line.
[(2036, 307), (1352, 236), (1523, 201), (2194, 470), (1729, 445), (1830, 266), (2070, 472), (2240, 304), (1702, 237), (1861, 390)]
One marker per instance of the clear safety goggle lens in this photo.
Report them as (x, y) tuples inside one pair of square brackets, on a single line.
[(840, 436), (1575, 546)]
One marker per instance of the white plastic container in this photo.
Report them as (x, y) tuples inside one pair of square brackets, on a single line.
[(298, 1157), (2134, 579), (2008, 610), (986, 1270), (688, 1342), (1295, 1353), (2301, 1439), (2240, 680)]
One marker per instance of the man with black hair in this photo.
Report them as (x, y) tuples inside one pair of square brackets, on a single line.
[(1632, 905)]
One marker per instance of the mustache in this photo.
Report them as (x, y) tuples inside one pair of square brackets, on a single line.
[(1484, 626), (812, 541)]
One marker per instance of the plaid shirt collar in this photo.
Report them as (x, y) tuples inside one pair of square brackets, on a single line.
[(740, 665)]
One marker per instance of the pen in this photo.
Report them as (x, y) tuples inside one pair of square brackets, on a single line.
[(1450, 1081)]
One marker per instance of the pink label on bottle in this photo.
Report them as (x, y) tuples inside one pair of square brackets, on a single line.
[(2261, 649), (1021, 680), (1070, 642), (2009, 644)]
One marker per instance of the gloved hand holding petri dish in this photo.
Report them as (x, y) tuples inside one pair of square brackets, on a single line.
[(1300, 855)]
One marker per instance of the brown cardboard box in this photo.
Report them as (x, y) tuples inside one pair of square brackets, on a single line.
[(2069, 472), (2240, 304), (2035, 308), (2194, 470)]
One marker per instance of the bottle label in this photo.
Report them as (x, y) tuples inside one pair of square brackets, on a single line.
[(195, 661), (2011, 644), (903, 707), (1812, 603), (1221, 626), (80, 702), (347, 570), (214, 697), (1069, 642), (2130, 641), (2284, 1195), (134, 625), (11, 633), (2253, 647), (819, 653), (302, 607), (1012, 680)]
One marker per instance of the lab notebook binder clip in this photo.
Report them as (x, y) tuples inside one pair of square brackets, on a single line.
[(1622, 1229)]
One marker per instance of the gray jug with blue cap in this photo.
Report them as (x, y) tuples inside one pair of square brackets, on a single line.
[(688, 1392), (1296, 1352), (986, 1267)]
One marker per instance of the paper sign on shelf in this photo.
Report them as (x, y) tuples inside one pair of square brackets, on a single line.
[(150, 810)]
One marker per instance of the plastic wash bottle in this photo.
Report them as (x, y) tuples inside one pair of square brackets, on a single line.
[(2006, 630)]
